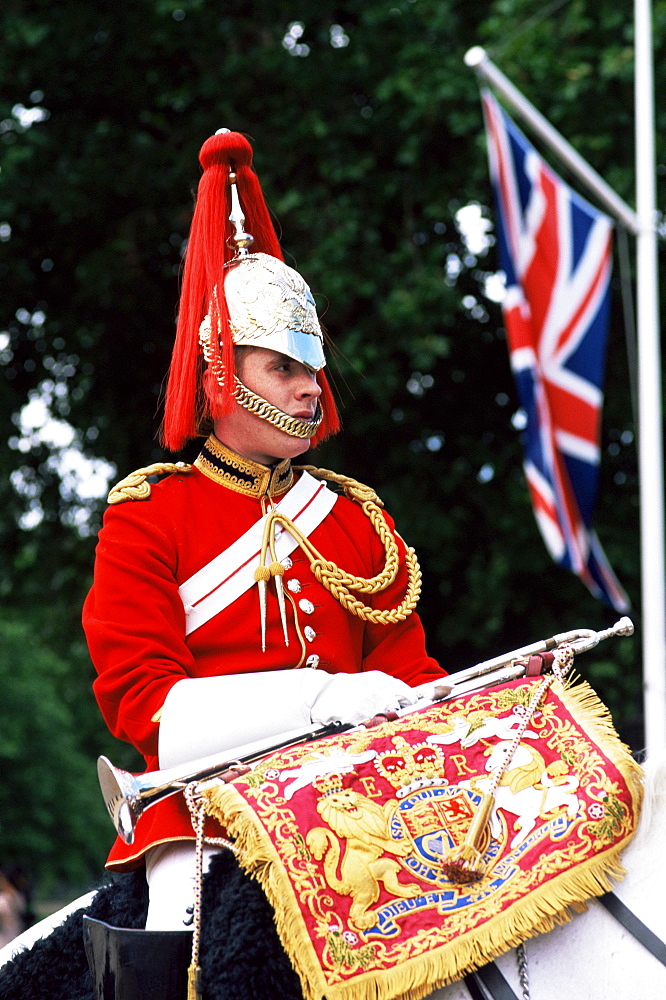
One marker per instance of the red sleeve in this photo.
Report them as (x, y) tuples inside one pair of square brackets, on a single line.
[(398, 649), (134, 623)]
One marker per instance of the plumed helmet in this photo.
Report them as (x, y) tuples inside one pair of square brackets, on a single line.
[(233, 297)]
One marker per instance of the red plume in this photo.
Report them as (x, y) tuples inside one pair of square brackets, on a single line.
[(207, 253)]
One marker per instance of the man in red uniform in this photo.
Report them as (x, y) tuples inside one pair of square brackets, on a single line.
[(242, 596)]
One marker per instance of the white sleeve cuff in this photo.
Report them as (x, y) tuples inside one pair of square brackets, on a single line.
[(207, 715)]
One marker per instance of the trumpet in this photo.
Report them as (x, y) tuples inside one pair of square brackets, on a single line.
[(127, 796), (509, 666)]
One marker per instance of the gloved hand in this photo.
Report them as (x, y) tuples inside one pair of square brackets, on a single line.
[(357, 697), (205, 715)]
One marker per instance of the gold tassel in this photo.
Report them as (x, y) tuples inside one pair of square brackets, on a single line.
[(262, 575), (194, 982), (465, 864), (277, 570)]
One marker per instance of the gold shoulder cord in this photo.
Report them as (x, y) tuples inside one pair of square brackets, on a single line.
[(136, 487), (337, 581)]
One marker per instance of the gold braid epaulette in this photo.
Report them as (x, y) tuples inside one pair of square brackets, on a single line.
[(339, 583), (136, 487)]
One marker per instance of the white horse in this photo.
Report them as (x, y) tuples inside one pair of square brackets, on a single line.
[(593, 957)]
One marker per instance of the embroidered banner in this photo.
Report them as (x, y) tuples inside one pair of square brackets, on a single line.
[(347, 837)]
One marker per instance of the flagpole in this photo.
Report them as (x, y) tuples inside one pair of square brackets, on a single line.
[(477, 59), (650, 446)]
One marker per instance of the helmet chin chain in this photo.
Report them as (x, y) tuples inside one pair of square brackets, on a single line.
[(294, 426)]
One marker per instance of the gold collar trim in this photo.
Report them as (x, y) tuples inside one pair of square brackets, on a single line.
[(240, 474)]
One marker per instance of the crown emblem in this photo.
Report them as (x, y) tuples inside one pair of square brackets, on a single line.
[(328, 784), (409, 768)]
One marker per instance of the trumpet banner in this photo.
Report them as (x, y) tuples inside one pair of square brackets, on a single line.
[(347, 836)]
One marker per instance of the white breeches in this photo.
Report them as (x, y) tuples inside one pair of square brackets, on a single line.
[(170, 870)]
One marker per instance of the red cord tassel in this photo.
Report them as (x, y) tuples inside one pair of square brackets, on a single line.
[(330, 424)]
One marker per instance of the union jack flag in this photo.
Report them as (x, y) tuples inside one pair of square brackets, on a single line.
[(555, 251)]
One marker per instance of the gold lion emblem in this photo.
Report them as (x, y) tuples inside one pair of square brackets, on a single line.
[(365, 826)]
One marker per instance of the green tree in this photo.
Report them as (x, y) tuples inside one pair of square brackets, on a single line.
[(50, 821)]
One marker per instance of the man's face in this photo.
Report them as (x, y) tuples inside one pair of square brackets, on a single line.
[(285, 383)]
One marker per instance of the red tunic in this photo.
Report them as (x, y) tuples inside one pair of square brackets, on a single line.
[(135, 622)]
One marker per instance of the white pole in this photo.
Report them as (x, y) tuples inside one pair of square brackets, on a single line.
[(650, 446), (477, 59)]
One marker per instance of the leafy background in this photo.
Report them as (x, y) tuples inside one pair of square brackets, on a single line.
[(368, 140)]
